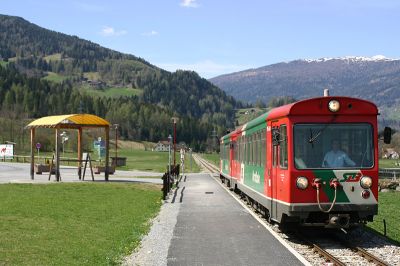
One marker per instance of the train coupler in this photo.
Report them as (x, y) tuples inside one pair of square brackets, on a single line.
[(339, 220)]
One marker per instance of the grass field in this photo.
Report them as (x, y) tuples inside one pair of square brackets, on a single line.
[(73, 224), (54, 77), (212, 157), (191, 162), (245, 115), (388, 163), (53, 57), (138, 157), (151, 161), (3, 63), (92, 75), (388, 210), (113, 92), (144, 160)]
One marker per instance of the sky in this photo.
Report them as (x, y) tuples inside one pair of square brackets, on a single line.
[(214, 37)]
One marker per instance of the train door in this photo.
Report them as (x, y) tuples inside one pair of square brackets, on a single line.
[(274, 172), (231, 157)]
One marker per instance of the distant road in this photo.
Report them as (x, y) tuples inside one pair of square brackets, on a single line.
[(20, 173)]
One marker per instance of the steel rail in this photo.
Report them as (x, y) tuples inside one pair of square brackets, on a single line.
[(362, 252), (206, 164), (370, 257), (321, 251)]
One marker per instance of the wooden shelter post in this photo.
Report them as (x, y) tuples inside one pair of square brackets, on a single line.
[(107, 170), (32, 153), (57, 154), (80, 153)]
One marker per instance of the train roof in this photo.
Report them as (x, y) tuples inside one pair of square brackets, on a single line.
[(319, 106), (313, 106)]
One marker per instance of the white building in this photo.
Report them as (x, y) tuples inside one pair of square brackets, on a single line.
[(162, 145)]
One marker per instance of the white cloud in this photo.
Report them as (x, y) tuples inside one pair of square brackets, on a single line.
[(150, 33), (189, 3), (205, 68), (108, 31)]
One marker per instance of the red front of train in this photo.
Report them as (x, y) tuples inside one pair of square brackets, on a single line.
[(312, 162)]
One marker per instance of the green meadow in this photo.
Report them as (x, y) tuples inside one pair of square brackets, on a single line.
[(388, 209), (74, 224)]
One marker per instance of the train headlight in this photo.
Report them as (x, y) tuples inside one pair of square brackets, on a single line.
[(366, 182), (334, 106), (302, 182)]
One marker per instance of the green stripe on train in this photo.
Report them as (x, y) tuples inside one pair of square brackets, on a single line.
[(326, 176), (254, 177), (225, 167), (256, 124)]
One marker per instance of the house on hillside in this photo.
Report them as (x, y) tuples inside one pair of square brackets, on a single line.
[(96, 84), (390, 153), (162, 145)]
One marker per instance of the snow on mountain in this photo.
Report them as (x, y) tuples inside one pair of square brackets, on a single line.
[(376, 58)]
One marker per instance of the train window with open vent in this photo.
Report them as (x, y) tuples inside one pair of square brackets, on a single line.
[(246, 149), (259, 148), (251, 149), (283, 150), (263, 148), (256, 149)]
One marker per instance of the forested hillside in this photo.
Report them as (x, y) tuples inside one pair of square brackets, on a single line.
[(23, 97), (46, 73)]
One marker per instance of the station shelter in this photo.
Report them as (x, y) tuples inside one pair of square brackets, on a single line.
[(71, 121)]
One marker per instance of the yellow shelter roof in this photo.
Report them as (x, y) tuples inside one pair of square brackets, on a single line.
[(69, 121)]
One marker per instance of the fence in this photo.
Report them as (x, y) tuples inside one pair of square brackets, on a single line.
[(392, 173), (41, 159), (168, 180)]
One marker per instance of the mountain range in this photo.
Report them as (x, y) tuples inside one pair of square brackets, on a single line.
[(374, 78)]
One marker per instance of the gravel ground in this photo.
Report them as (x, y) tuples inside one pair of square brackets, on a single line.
[(154, 246)]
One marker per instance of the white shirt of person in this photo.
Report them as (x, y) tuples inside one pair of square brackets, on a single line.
[(337, 158)]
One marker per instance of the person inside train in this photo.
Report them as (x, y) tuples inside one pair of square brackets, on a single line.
[(336, 158)]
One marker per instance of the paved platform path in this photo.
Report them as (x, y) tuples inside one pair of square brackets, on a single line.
[(214, 229), (20, 173)]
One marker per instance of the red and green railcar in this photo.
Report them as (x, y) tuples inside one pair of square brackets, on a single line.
[(313, 162)]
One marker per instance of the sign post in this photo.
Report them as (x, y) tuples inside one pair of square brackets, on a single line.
[(100, 146), (6, 151), (38, 146)]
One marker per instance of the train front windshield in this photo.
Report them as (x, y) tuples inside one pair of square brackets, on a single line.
[(333, 146)]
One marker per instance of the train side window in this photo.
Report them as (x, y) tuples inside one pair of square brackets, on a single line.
[(283, 150), (256, 149), (262, 147), (238, 148), (245, 150), (259, 148), (251, 149)]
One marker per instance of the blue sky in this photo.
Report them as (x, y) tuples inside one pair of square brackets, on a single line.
[(214, 37)]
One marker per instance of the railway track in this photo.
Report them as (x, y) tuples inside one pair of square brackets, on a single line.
[(210, 167), (338, 251), (331, 248)]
